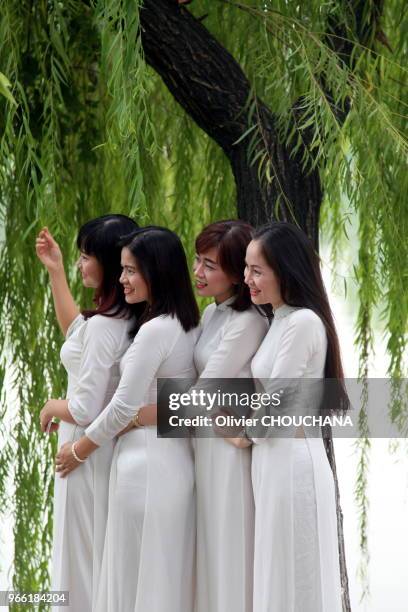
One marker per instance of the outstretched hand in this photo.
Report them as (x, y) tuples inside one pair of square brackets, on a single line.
[(48, 251)]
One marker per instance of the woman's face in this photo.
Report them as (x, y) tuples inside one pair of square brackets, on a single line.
[(262, 281), (91, 270), (210, 279), (134, 285)]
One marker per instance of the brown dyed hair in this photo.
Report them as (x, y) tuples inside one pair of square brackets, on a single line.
[(231, 237)]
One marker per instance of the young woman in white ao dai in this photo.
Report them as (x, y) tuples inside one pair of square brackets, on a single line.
[(148, 559), (91, 354), (232, 330), (93, 347), (225, 510), (296, 566), (296, 547)]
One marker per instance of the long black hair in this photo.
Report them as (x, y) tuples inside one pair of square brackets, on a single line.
[(290, 253), (163, 264), (100, 237)]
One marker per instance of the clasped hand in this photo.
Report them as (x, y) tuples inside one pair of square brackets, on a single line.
[(65, 461), (232, 434)]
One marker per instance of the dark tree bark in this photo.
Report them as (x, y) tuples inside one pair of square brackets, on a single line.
[(208, 83)]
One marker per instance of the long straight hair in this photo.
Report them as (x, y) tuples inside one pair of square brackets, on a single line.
[(290, 254), (162, 262), (100, 238)]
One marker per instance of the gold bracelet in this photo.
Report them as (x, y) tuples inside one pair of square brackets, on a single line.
[(135, 420)]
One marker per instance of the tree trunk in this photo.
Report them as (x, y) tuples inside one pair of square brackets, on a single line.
[(208, 83)]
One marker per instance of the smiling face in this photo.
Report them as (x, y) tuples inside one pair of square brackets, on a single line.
[(262, 281), (91, 270), (134, 285), (210, 279)]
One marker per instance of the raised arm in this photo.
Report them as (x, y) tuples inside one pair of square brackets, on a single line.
[(49, 253)]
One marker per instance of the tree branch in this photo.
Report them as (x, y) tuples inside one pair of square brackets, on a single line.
[(210, 85)]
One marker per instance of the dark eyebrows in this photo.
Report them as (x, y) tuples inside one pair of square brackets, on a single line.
[(208, 260), (251, 266)]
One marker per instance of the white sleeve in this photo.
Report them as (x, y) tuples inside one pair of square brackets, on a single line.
[(99, 353), (300, 340), (242, 337), (150, 347), (73, 325), (241, 340)]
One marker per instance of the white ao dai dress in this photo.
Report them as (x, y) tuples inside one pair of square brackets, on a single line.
[(296, 547), (225, 507), (90, 354), (148, 562)]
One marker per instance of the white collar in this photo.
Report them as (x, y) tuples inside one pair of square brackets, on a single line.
[(283, 311)]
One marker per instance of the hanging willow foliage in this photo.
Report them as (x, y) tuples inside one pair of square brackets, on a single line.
[(88, 128)]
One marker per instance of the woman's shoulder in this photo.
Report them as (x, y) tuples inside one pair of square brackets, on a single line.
[(100, 323), (304, 317), (251, 317), (164, 323), (76, 324), (306, 323), (162, 333), (207, 311), (245, 325)]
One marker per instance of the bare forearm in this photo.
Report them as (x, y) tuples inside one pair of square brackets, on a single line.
[(72, 454), (148, 415), (54, 408), (239, 442), (59, 408), (65, 307), (85, 447)]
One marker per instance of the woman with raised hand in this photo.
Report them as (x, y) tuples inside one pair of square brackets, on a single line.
[(95, 340), (296, 547), (232, 330), (149, 548)]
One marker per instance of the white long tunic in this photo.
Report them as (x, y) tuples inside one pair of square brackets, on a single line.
[(148, 562), (225, 510), (91, 354), (296, 547)]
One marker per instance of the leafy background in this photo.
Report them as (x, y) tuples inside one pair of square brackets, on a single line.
[(86, 128)]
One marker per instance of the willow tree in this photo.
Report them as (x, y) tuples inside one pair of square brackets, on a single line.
[(178, 116)]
